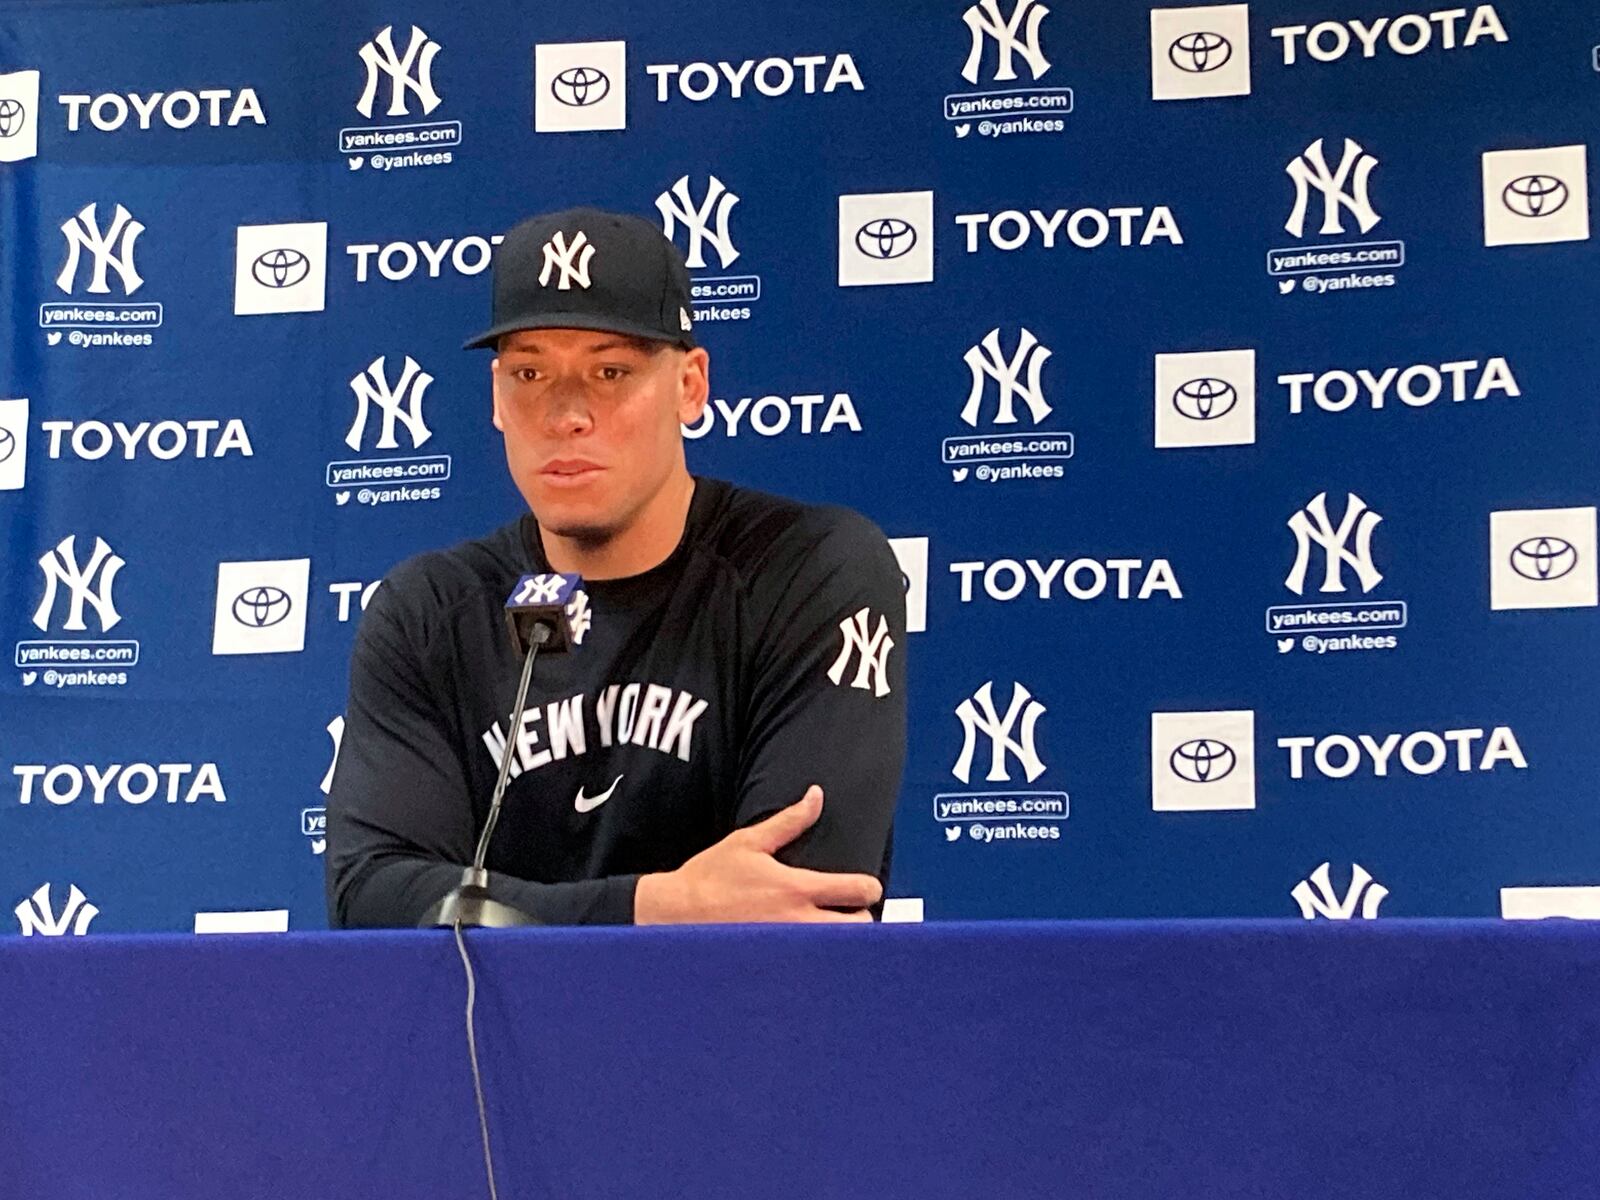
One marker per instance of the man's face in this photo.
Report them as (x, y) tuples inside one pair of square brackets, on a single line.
[(591, 423)]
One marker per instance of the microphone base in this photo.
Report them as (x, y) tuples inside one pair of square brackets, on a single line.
[(471, 905)]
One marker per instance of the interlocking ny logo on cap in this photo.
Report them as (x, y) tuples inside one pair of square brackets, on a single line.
[(558, 255)]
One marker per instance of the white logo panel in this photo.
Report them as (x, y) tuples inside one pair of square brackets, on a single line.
[(261, 607), (1537, 903), (885, 238), (1542, 558), (580, 85), (13, 445), (1206, 398), (260, 920), (19, 115), (1203, 761), (912, 554), (1533, 196), (1199, 52), (281, 268)]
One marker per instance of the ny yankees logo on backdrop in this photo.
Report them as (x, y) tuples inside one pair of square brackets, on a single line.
[(35, 915), (336, 732), (112, 250), (410, 74), (677, 206), (1322, 902), (978, 715), (400, 404), (89, 584), (984, 18), (987, 361), (1311, 525), (1343, 188), (872, 668), (559, 255)]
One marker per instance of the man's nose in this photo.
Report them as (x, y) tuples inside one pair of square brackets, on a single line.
[(567, 407)]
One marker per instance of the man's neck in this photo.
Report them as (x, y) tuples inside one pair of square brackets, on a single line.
[(647, 542)]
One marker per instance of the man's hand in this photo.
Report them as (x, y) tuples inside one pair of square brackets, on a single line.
[(738, 879)]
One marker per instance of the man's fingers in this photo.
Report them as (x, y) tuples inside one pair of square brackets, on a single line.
[(837, 890), (826, 916), (783, 826)]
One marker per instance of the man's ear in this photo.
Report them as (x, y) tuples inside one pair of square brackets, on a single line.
[(494, 394), (696, 389)]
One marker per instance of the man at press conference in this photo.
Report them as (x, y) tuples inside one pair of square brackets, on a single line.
[(725, 739)]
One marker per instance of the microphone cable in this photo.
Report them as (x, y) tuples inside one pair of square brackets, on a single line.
[(472, 1052), (539, 635)]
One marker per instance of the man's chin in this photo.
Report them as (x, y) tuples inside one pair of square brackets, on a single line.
[(575, 522), (589, 536)]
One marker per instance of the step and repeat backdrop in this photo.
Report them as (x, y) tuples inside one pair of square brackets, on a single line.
[(1223, 375)]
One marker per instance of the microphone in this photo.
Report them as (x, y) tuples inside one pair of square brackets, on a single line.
[(542, 600), (537, 617)]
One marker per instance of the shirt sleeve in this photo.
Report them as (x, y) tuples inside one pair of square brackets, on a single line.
[(828, 696), (402, 823)]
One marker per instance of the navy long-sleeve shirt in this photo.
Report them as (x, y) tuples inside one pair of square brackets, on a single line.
[(767, 653)]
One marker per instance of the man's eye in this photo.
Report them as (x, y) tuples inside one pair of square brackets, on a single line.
[(524, 374), (610, 378)]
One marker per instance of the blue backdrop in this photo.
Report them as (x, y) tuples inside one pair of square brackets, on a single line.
[(1222, 374)]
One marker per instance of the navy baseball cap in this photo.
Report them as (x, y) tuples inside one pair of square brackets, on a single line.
[(586, 268)]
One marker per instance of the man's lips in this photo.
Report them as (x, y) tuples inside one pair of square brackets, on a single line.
[(564, 471)]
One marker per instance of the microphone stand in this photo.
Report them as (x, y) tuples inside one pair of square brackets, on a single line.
[(469, 903)]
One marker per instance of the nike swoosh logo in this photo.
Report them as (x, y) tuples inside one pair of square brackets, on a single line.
[(589, 803)]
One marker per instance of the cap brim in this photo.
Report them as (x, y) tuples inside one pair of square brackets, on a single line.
[(600, 324)]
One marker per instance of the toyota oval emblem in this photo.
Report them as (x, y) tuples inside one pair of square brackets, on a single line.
[(1544, 558), (12, 117), (1200, 52), (1203, 760), (1535, 195), (280, 268), (580, 87), (1205, 399), (261, 607), (887, 237)]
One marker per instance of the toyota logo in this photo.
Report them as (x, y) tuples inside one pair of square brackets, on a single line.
[(580, 87), (280, 268), (887, 237), (1200, 52), (1534, 195), (1544, 558), (12, 117), (261, 607), (8, 444), (1203, 760), (1205, 399)]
